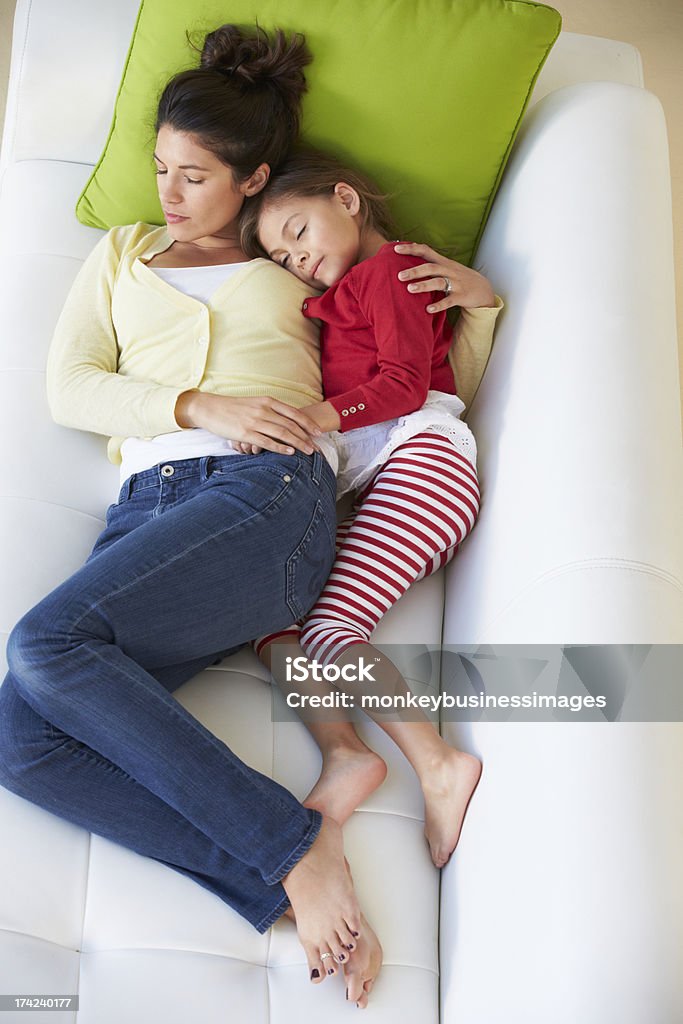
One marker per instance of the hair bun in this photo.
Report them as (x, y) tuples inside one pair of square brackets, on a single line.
[(256, 57)]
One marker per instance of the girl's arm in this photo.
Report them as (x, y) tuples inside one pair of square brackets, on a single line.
[(404, 342)]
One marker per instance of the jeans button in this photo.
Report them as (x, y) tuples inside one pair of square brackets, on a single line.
[(167, 470)]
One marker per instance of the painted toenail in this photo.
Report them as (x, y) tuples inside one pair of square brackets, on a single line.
[(315, 973), (349, 947), (355, 934), (330, 971)]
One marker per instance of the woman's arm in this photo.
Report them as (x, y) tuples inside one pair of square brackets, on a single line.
[(468, 288), (473, 335), (84, 389), (86, 392), (471, 348)]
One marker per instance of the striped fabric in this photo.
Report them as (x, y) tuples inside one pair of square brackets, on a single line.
[(406, 524)]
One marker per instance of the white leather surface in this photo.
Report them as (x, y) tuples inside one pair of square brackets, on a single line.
[(142, 943), (577, 419), (73, 51), (564, 904), (578, 58)]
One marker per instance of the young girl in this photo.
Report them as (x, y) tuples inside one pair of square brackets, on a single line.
[(391, 405)]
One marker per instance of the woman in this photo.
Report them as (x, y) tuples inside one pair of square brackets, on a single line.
[(167, 328)]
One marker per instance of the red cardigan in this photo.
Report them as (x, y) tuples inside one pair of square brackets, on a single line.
[(381, 352)]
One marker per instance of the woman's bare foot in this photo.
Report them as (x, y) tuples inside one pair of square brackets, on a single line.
[(362, 969), (326, 911), (448, 787), (350, 773)]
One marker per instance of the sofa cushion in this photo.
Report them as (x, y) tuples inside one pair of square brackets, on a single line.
[(433, 123)]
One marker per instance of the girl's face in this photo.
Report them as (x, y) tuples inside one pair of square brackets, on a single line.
[(317, 238), (198, 193)]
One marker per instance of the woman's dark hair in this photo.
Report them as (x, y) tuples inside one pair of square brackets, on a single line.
[(311, 172), (243, 103)]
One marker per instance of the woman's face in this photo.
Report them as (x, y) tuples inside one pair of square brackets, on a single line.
[(198, 193), (317, 238)]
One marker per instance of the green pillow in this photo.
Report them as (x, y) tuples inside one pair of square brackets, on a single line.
[(426, 96)]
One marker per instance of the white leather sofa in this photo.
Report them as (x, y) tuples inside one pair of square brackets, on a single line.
[(564, 900)]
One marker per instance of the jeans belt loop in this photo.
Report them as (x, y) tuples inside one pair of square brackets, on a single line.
[(129, 485), (205, 464), (316, 467)]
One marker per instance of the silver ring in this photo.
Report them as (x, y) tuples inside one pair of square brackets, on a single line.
[(325, 956), (448, 287)]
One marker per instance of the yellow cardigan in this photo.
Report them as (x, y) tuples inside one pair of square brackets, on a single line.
[(127, 343)]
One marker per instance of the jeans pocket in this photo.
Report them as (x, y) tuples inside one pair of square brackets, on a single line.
[(309, 565)]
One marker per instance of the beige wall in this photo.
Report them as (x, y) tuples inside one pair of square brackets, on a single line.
[(654, 26), (6, 18)]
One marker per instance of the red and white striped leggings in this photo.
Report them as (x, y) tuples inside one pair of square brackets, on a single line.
[(405, 524)]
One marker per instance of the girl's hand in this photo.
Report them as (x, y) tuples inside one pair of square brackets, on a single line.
[(325, 415), (261, 422), (469, 288)]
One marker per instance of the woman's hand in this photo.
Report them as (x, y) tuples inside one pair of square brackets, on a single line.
[(469, 288), (261, 422), (322, 413), (246, 448)]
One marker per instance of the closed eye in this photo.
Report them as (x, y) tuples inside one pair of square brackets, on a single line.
[(192, 181)]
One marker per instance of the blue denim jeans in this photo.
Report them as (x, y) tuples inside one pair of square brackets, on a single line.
[(198, 556)]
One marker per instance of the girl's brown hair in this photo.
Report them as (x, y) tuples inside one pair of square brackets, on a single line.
[(243, 103), (310, 172)]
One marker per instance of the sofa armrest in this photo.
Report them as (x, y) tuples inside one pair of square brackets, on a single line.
[(550, 907), (82, 79), (577, 419)]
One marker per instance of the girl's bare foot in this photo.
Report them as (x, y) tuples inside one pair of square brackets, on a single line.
[(350, 773), (326, 911), (362, 969), (448, 786)]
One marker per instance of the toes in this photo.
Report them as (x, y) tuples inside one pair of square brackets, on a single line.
[(341, 954), (316, 967), (354, 986), (352, 921), (362, 1001), (437, 852), (329, 961), (347, 940)]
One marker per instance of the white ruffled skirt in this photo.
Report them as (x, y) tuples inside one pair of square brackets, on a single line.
[(361, 452)]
